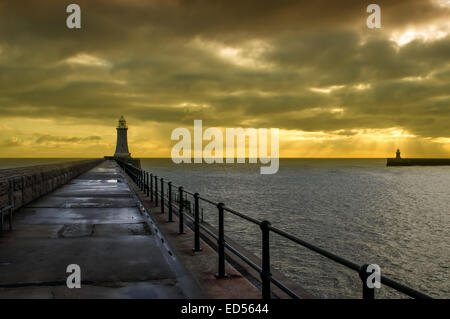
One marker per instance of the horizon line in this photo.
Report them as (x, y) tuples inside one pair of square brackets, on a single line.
[(157, 157)]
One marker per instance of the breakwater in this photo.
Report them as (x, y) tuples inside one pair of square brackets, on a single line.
[(19, 186), (91, 222), (418, 161)]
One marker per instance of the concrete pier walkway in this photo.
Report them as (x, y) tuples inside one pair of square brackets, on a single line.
[(94, 221)]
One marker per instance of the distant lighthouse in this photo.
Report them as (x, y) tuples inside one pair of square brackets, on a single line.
[(122, 140)]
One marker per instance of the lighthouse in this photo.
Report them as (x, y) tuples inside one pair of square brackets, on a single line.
[(122, 140)]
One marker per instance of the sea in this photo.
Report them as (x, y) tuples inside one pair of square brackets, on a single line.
[(359, 209)]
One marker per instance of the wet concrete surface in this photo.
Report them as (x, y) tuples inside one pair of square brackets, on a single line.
[(94, 222)]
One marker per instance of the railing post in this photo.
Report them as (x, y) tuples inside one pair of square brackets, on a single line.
[(170, 201), (10, 193), (162, 195), (10, 217), (221, 244), (139, 178), (368, 293), (151, 187), (156, 191), (148, 189), (265, 271), (196, 223), (11, 203), (180, 212), (142, 180), (136, 172)]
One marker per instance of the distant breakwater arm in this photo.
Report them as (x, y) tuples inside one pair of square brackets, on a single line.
[(21, 185), (418, 161)]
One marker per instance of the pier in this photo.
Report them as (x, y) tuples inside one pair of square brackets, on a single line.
[(399, 161), (94, 221), (418, 162)]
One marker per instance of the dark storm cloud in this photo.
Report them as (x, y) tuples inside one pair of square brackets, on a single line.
[(146, 63), (42, 139), (220, 16)]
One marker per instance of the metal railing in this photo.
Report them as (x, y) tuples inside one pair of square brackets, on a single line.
[(165, 199), (7, 210)]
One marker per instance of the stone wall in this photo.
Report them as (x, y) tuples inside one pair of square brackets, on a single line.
[(24, 184)]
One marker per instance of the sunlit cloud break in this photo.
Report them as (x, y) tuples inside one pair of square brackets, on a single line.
[(87, 60)]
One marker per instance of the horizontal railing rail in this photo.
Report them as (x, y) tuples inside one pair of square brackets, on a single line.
[(162, 193)]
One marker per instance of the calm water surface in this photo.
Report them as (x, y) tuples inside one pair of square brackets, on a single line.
[(396, 217)]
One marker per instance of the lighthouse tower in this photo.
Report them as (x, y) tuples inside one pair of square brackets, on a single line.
[(122, 140)]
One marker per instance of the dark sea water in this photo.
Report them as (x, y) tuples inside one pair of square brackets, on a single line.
[(396, 217)]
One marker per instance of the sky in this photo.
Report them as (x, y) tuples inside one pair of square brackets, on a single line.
[(313, 69)]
